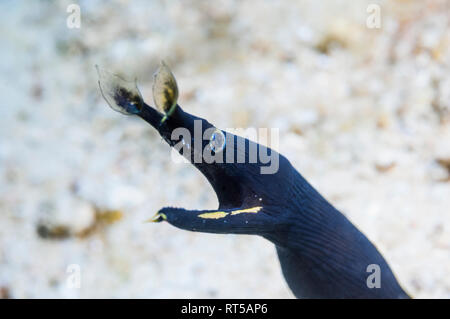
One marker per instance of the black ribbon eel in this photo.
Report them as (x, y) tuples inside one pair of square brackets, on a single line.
[(322, 254)]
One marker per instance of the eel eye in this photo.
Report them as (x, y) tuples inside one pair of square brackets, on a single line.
[(217, 141), (165, 89), (121, 95)]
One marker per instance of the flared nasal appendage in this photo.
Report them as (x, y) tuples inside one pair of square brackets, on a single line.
[(165, 90), (122, 96)]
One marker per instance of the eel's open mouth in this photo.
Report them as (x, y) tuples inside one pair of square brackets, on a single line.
[(245, 200)]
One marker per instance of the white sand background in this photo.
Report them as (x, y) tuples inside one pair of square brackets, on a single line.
[(362, 113)]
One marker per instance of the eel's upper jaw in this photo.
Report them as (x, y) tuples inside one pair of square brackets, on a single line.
[(226, 179)]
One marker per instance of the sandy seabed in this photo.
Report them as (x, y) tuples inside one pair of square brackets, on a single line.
[(362, 113)]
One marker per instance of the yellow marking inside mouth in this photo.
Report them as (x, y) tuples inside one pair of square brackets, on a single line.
[(213, 215), (253, 210), (221, 214)]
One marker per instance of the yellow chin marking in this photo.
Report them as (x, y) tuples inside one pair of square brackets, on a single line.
[(159, 217), (213, 215), (253, 210)]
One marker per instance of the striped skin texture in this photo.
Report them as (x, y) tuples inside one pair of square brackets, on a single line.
[(323, 255)]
